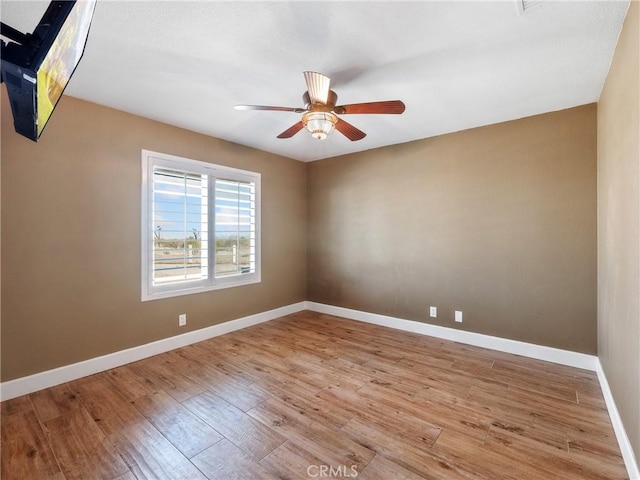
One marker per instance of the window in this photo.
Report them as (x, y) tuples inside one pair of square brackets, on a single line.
[(200, 226)]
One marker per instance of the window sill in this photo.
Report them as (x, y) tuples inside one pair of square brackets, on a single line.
[(221, 285)]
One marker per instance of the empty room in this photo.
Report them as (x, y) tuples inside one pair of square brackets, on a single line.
[(320, 240)]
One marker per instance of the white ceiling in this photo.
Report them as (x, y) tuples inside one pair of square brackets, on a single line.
[(456, 65)]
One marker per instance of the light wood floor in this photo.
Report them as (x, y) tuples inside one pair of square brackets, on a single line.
[(315, 396)]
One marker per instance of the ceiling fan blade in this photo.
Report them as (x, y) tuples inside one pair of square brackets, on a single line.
[(317, 86), (390, 107), (266, 107), (349, 131), (291, 131)]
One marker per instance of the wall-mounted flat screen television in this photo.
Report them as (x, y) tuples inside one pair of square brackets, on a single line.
[(37, 67)]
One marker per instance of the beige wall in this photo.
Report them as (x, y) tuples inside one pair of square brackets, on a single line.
[(71, 237), (619, 227), (498, 221)]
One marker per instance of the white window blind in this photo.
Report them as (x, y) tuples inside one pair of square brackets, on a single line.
[(200, 226), (235, 226), (180, 219)]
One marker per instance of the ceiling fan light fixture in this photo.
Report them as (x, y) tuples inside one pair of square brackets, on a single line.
[(319, 124)]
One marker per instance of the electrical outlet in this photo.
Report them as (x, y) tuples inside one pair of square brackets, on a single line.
[(458, 316), (182, 319), (433, 312)]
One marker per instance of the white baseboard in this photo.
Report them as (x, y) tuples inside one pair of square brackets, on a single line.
[(67, 373), (618, 427), (549, 354), (555, 355), (50, 378)]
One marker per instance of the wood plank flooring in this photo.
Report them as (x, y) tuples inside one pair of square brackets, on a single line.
[(311, 396)]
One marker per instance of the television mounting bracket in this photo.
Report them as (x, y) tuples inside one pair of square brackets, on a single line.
[(13, 34)]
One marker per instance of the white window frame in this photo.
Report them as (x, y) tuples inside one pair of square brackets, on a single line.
[(149, 160)]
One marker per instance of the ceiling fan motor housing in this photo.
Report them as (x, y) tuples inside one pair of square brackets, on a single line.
[(332, 99)]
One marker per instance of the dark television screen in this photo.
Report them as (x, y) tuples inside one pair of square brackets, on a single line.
[(37, 70)]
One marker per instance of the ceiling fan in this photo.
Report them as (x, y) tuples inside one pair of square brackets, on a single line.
[(320, 114)]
